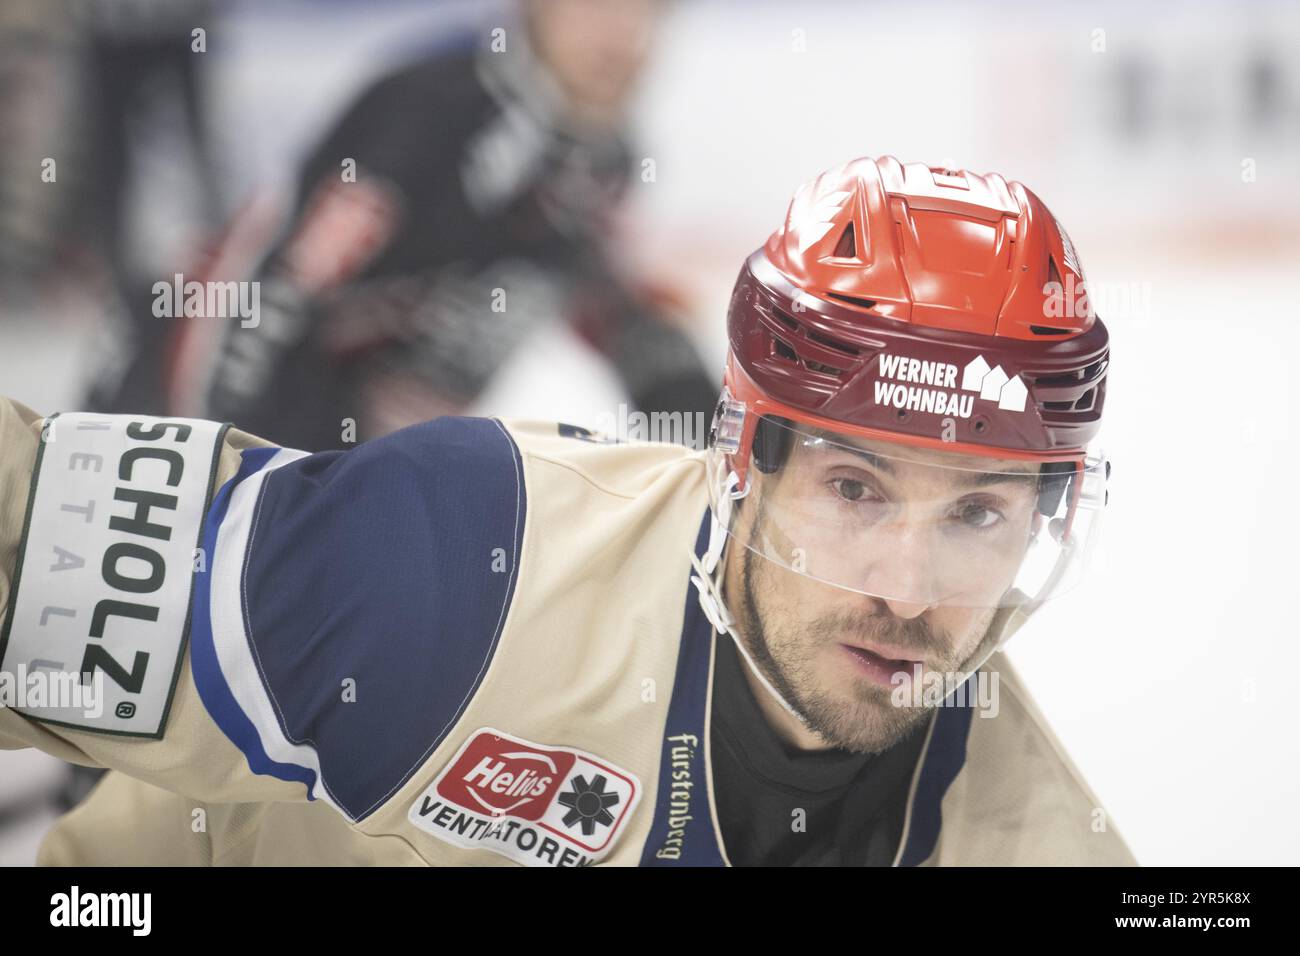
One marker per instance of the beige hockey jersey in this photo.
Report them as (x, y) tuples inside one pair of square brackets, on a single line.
[(472, 642)]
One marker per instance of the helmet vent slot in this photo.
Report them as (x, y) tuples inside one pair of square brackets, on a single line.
[(847, 247), (1059, 381), (782, 349), (785, 320), (831, 343), (852, 300)]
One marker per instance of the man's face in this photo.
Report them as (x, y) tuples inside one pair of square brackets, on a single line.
[(595, 49), (922, 547)]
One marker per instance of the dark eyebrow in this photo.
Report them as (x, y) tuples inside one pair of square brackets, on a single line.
[(982, 478), (876, 461), (976, 479)]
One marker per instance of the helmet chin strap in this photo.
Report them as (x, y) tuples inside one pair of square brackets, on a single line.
[(705, 579)]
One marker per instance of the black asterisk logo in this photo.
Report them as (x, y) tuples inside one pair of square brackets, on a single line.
[(588, 803)]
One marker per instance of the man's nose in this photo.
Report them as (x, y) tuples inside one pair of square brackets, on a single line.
[(902, 569), (906, 610)]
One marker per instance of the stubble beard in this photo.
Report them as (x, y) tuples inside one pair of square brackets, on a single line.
[(868, 721)]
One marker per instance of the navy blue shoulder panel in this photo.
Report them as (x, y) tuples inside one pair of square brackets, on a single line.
[(391, 565), (944, 759)]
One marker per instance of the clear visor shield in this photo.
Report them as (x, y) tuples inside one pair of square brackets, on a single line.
[(915, 526)]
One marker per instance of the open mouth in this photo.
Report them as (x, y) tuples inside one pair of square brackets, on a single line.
[(882, 670)]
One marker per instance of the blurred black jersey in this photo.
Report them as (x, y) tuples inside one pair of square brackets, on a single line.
[(448, 213)]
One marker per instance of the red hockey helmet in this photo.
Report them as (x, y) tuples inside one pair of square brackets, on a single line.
[(914, 383)]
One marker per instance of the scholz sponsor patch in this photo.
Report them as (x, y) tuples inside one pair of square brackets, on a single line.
[(536, 804), (105, 574)]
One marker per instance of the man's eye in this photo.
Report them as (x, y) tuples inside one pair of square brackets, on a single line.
[(978, 515), (850, 489)]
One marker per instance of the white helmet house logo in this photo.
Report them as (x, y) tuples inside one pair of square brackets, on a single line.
[(994, 385), (920, 385)]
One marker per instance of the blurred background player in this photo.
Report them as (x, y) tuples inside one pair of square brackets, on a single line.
[(461, 204)]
